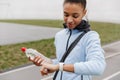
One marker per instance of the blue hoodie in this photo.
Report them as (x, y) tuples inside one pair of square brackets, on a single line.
[(87, 56)]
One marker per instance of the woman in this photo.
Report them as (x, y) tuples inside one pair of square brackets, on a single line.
[(86, 59)]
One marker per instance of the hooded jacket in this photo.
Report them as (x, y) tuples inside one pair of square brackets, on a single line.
[(87, 56)]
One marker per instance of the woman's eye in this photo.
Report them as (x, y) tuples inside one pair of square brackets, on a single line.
[(75, 16), (66, 15)]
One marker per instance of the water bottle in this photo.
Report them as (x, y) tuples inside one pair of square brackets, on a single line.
[(31, 52)]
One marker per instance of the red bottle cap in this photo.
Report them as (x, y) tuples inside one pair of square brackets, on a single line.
[(23, 49)]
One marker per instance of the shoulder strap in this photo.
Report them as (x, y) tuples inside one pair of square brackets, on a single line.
[(69, 50), (72, 46)]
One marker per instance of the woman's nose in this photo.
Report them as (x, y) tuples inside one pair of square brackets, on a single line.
[(69, 20)]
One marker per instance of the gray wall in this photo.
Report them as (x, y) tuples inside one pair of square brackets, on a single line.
[(52, 9), (39, 9)]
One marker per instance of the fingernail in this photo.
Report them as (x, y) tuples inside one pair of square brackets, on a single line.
[(38, 61)]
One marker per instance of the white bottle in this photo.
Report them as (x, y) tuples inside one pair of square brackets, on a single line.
[(31, 53)]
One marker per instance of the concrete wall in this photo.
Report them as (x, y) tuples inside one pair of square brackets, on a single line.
[(30, 9), (52, 9), (104, 10)]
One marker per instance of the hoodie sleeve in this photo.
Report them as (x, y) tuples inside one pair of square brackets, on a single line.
[(95, 61), (55, 61)]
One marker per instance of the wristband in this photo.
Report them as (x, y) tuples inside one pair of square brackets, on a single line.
[(61, 66)]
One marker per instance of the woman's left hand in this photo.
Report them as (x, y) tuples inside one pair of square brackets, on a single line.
[(48, 68)]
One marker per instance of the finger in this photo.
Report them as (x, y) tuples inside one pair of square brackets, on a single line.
[(37, 58), (40, 61), (30, 59), (43, 71)]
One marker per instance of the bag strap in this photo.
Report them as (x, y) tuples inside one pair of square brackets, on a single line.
[(69, 50), (71, 47)]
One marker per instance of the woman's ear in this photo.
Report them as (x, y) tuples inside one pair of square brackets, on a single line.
[(84, 12)]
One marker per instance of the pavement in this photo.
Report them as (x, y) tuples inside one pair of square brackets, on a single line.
[(31, 72), (112, 56), (18, 33)]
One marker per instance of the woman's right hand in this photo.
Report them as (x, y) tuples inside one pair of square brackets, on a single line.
[(37, 60)]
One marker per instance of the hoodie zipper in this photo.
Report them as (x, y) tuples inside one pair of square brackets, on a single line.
[(66, 48), (68, 39)]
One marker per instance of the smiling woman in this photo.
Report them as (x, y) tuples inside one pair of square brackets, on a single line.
[(86, 58)]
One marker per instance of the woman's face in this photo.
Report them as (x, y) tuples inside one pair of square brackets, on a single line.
[(73, 14)]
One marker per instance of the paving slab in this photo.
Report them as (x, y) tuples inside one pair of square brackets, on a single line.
[(18, 33)]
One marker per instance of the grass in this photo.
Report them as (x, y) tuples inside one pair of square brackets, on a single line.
[(109, 32), (49, 23), (11, 55)]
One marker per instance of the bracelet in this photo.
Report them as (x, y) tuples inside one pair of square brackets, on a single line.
[(61, 66)]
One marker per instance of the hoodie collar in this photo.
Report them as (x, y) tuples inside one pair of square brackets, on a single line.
[(83, 26)]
